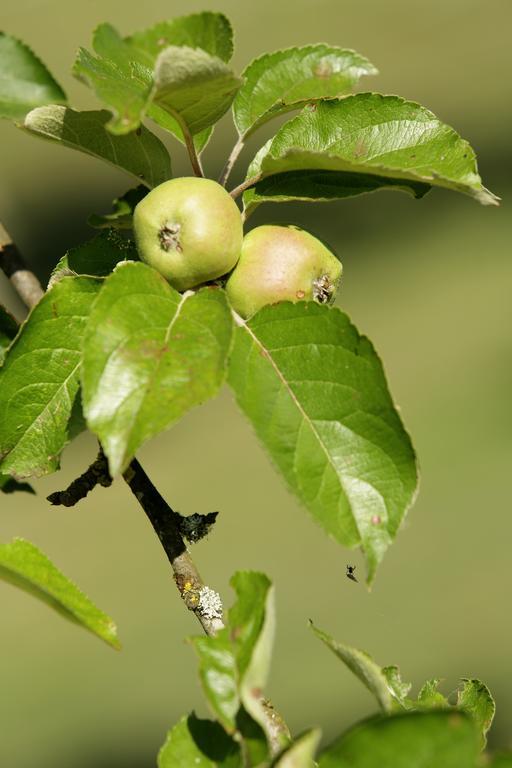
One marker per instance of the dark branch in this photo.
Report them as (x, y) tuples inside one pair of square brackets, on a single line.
[(25, 283), (167, 526), (97, 474)]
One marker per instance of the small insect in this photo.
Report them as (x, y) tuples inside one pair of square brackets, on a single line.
[(350, 572)]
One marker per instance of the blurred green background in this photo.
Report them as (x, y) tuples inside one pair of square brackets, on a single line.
[(429, 281)]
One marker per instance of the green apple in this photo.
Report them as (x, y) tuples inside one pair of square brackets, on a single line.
[(190, 230), (282, 263)]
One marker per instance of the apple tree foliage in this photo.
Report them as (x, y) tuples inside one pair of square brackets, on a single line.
[(113, 348)]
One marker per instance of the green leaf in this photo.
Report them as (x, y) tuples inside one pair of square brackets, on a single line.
[(150, 355), (96, 258), (252, 627), (429, 697), (201, 743), (8, 330), (123, 74), (217, 672), (278, 82), (25, 82), (315, 392), (25, 566), (301, 753), (501, 761), (363, 667), (10, 485), (122, 214), (409, 740), (234, 665), (399, 143), (194, 87), (211, 32), (399, 690), (40, 378), (141, 153), (475, 698)]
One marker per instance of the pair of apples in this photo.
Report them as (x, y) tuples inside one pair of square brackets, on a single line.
[(190, 230)]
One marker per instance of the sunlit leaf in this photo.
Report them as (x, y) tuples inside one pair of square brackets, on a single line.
[(277, 82), (25, 566), (362, 143), (40, 378), (150, 355), (25, 82), (315, 392)]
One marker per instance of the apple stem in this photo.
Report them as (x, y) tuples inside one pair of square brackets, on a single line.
[(245, 185), (191, 149), (226, 171)]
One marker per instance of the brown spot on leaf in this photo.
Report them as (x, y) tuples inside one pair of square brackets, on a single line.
[(323, 69)]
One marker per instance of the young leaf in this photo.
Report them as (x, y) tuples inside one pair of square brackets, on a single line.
[(123, 74), (252, 626), (150, 355), (122, 214), (194, 87), (8, 330), (25, 566), (125, 89), (315, 392), (475, 698), (10, 485), (301, 753), (278, 82), (429, 697), (201, 743), (141, 153), (363, 667), (96, 258), (234, 664), (399, 143), (396, 685), (408, 740), (211, 32), (40, 378), (25, 82)]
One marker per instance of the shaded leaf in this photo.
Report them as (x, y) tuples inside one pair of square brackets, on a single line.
[(10, 485), (141, 153), (277, 82), (25, 566), (406, 740), (400, 143), (475, 698), (8, 330), (315, 392), (194, 87), (150, 355), (301, 753), (25, 82), (201, 743), (96, 257), (122, 214), (40, 378), (501, 761), (363, 667)]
